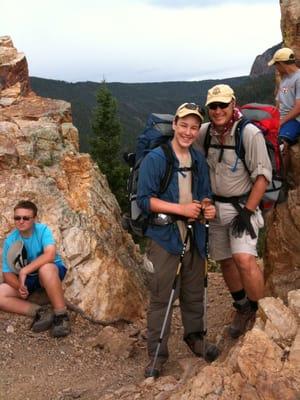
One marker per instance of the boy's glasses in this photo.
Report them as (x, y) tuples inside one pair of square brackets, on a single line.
[(214, 106), (23, 218)]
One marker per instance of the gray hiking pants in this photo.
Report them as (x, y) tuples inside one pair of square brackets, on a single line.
[(189, 290)]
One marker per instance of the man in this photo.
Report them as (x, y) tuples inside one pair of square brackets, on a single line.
[(237, 194), (288, 99), (186, 197), (29, 262)]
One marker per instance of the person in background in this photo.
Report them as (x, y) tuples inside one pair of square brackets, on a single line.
[(186, 197), (29, 262), (237, 194), (288, 100)]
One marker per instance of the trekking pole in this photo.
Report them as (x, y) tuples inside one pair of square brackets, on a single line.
[(205, 287), (188, 234)]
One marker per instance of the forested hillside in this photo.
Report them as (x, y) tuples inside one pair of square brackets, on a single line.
[(137, 100)]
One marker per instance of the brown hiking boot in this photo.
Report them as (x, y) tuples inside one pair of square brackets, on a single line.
[(157, 370), (61, 325), (43, 320), (196, 343), (243, 316)]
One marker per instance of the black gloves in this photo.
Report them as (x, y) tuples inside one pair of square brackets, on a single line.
[(242, 223)]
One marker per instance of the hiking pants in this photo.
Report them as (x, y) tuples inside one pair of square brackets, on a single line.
[(189, 290)]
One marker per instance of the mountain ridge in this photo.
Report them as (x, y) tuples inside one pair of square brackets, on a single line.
[(137, 100)]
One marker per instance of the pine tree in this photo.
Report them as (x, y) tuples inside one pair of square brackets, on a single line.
[(106, 143)]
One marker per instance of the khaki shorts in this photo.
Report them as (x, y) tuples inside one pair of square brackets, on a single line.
[(222, 244)]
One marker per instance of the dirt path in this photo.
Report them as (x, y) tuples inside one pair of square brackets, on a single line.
[(38, 367)]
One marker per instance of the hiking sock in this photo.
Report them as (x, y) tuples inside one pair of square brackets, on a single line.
[(239, 297), (32, 310), (61, 311), (253, 305)]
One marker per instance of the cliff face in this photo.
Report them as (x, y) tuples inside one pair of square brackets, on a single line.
[(260, 65), (282, 259), (290, 24), (39, 161)]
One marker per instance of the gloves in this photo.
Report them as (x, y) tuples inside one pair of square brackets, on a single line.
[(242, 223)]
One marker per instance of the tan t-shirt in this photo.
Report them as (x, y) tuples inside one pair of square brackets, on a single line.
[(185, 190), (226, 180)]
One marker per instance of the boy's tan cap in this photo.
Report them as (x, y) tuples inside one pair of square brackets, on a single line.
[(284, 54), (220, 93), (189, 108)]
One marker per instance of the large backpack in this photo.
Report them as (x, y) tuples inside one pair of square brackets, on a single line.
[(266, 117), (157, 132)]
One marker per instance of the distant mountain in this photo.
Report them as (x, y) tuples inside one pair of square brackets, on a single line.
[(137, 100), (260, 65)]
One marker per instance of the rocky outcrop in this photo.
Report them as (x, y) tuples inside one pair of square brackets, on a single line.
[(13, 68), (282, 258), (264, 364), (39, 160), (260, 65), (290, 24)]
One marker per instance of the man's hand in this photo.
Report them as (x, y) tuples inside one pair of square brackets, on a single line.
[(242, 223)]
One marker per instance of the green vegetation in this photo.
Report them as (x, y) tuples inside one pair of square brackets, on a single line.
[(105, 143), (137, 100)]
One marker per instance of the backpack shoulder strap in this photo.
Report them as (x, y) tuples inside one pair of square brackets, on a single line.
[(169, 167), (207, 140), (238, 138)]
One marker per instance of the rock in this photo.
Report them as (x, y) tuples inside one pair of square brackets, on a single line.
[(117, 343), (294, 302), (10, 329), (294, 355), (290, 12), (282, 251), (280, 322), (39, 154), (260, 65)]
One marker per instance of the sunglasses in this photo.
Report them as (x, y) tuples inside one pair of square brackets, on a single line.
[(23, 218), (214, 106), (194, 107)]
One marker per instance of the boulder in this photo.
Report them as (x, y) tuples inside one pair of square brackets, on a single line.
[(39, 161)]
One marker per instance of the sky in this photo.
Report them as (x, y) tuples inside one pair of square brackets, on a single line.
[(140, 40)]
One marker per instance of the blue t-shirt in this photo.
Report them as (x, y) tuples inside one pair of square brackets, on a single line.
[(35, 244)]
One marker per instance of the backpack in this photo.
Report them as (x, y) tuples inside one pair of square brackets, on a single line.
[(157, 132), (266, 117)]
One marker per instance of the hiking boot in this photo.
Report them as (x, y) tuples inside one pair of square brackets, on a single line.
[(157, 370), (244, 314), (43, 320), (61, 325), (196, 344)]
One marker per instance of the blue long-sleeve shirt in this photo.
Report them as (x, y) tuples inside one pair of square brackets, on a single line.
[(151, 173)]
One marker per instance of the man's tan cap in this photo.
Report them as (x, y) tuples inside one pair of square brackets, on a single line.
[(221, 94), (189, 108), (284, 54)]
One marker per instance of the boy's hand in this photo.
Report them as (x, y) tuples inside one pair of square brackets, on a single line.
[(209, 211)]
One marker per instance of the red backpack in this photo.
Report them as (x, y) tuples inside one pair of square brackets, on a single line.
[(267, 118)]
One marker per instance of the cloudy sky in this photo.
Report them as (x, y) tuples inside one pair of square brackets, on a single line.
[(140, 40)]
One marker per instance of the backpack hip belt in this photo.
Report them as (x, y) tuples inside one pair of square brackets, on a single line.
[(233, 199), (161, 219)]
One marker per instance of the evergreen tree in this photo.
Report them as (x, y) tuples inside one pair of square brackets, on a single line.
[(106, 143)]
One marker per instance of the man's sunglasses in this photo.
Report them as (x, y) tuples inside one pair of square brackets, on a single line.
[(24, 218), (214, 106)]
